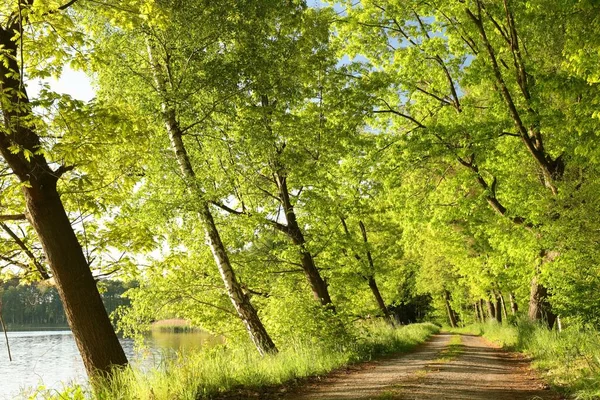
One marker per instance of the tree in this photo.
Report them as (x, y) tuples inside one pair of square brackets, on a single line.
[(476, 85), (38, 173)]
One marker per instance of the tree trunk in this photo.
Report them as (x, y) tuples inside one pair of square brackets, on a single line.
[(240, 301), (504, 312), (293, 231), (539, 307), (491, 309), (247, 313), (379, 299), (451, 314), (481, 310), (514, 308), (4, 330), (371, 279), (93, 332), (498, 308), (95, 337)]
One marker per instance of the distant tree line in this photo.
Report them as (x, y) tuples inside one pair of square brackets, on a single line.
[(38, 304)]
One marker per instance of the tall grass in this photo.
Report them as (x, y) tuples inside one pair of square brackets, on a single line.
[(219, 370), (569, 360)]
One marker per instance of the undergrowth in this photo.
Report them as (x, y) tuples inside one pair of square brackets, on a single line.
[(210, 372), (569, 360)]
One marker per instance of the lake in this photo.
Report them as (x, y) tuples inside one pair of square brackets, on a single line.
[(51, 358)]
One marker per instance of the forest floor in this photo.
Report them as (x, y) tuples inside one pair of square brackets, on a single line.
[(448, 366)]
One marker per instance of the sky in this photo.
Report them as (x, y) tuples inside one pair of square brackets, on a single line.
[(74, 83), (78, 85)]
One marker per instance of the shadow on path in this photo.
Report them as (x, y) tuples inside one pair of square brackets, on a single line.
[(478, 372)]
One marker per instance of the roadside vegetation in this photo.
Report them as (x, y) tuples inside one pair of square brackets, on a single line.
[(569, 360), (226, 369), (274, 170)]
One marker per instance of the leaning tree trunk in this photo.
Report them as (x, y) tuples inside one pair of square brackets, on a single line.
[(372, 282), (504, 312), (449, 310), (244, 308), (95, 337), (93, 332), (292, 230), (4, 330), (241, 302), (370, 278)]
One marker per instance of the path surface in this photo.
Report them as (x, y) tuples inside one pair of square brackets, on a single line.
[(472, 370)]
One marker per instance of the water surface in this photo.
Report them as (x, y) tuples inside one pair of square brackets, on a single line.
[(51, 358)]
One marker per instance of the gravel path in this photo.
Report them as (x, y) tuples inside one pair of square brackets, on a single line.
[(472, 370)]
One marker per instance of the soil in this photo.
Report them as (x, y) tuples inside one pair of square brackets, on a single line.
[(473, 370), (440, 369)]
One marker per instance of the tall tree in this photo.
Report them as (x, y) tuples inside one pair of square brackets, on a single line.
[(26, 26), (478, 84)]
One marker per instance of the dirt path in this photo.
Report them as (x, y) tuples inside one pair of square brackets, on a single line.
[(448, 367)]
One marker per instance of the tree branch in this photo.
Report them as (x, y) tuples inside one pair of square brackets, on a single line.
[(228, 209), (13, 217), (40, 268), (67, 5)]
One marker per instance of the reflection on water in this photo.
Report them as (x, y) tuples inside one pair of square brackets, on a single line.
[(182, 341), (51, 358)]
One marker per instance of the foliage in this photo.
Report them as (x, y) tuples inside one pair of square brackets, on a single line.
[(224, 369), (426, 158), (568, 359), (38, 304)]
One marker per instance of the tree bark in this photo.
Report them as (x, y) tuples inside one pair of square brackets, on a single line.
[(481, 310), (292, 229), (504, 313), (95, 337), (451, 314), (258, 334), (539, 307), (4, 330), (244, 308), (514, 307), (491, 309), (498, 308), (379, 300), (478, 313), (371, 278)]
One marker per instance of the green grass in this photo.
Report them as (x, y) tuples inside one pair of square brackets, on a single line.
[(215, 371), (569, 360)]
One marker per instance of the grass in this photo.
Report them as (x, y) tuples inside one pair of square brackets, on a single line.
[(569, 360), (213, 372)]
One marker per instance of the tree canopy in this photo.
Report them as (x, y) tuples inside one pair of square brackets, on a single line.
[(281, 169)]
